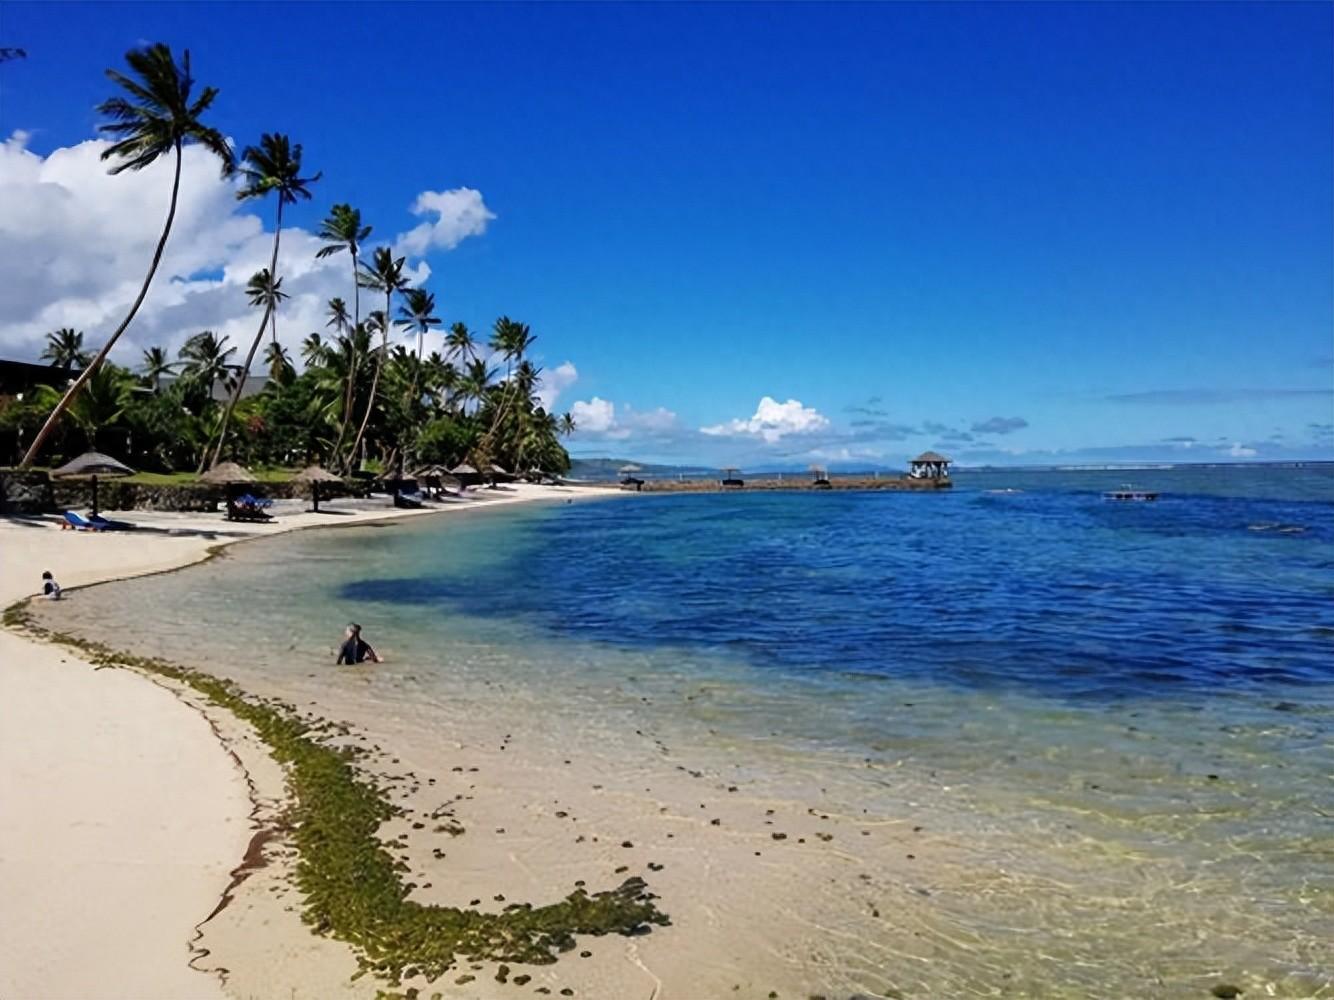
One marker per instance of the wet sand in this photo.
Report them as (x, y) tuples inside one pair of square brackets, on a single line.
[(121, 814)]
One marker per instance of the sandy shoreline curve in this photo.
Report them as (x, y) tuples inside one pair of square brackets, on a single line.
[(123, 815)]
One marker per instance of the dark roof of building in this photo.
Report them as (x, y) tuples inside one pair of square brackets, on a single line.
[(930, 456)]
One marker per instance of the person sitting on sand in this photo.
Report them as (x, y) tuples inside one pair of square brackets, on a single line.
[(50, 589), (355, 649)]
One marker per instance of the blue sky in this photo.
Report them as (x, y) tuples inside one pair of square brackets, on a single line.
[(1016, 232)]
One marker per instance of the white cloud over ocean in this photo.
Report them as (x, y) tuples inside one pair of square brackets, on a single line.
[(773, 421)]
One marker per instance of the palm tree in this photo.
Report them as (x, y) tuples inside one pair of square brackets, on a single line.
[(156, 364), (383, 274), (312, 349), (204, 360), (64, 349), (338, 319), (566, 425), (511, 341), (160, 119), (344, 230), (273, 165), (460, 344), (418, 314), (279, 362)]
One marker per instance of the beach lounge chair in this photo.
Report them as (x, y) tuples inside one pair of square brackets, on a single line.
[(101, 523), (240, 510), (73, 520)]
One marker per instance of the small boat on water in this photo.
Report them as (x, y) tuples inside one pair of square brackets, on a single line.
[(1128, 494)]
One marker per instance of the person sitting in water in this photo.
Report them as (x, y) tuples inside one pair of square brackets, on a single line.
[(355, 649), (50, 589)]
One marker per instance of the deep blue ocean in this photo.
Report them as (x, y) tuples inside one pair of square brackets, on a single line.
[(1226, 583)]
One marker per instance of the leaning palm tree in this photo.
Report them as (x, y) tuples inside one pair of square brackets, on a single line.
[(160, 118), (64, 349), (511, 341), (273, 165), (566, 425), (383, 274), (157, 363)]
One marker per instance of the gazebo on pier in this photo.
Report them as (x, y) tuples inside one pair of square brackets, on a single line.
[(929, 465)]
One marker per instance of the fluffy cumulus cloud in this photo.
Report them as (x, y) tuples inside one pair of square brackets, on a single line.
[(459, 213), (599, 419), (75, 243), (773, 421)]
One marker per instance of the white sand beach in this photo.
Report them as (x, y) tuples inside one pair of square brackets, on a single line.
[(121, 813)]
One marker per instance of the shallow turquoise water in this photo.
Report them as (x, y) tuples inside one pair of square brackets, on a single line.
[(1125, 711)]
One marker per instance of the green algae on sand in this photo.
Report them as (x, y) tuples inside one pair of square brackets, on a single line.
[(351, 884)]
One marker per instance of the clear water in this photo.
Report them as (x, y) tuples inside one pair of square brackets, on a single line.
[(1119, 716)]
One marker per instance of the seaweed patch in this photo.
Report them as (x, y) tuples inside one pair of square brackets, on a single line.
[(352, 886)]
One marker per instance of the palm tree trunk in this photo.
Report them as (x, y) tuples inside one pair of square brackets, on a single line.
[(349, 399), (35, 448), (259, 336), (375, 379)]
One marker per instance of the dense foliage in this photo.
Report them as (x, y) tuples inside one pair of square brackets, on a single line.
[(433, 409), (358, 401)]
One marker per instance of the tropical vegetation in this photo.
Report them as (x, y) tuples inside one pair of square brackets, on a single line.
[(354, 399)]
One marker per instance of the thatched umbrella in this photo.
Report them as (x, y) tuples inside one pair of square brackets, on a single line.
[(463, 470), (90, 465), (626, 470), (233, 477), (315, 475), (227, 474)]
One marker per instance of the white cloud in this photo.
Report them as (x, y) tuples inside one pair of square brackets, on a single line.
[(75, 243), (599, 418), (773, 421), (596, 416), (459, 213), (1239, 450), (555, 381)]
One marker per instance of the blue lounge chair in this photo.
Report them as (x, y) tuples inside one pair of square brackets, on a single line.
[(101, 523), (73, 520)]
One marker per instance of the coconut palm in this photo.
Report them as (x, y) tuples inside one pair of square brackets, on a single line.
[(279, 362), (344, 231), (64, 349), (156, 363), (566, 425), (460, 345), (511, 341), (274, 165), (339, 320), (383, 274), (417, 314), (312, 349), (159, 118), (204, 360)]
